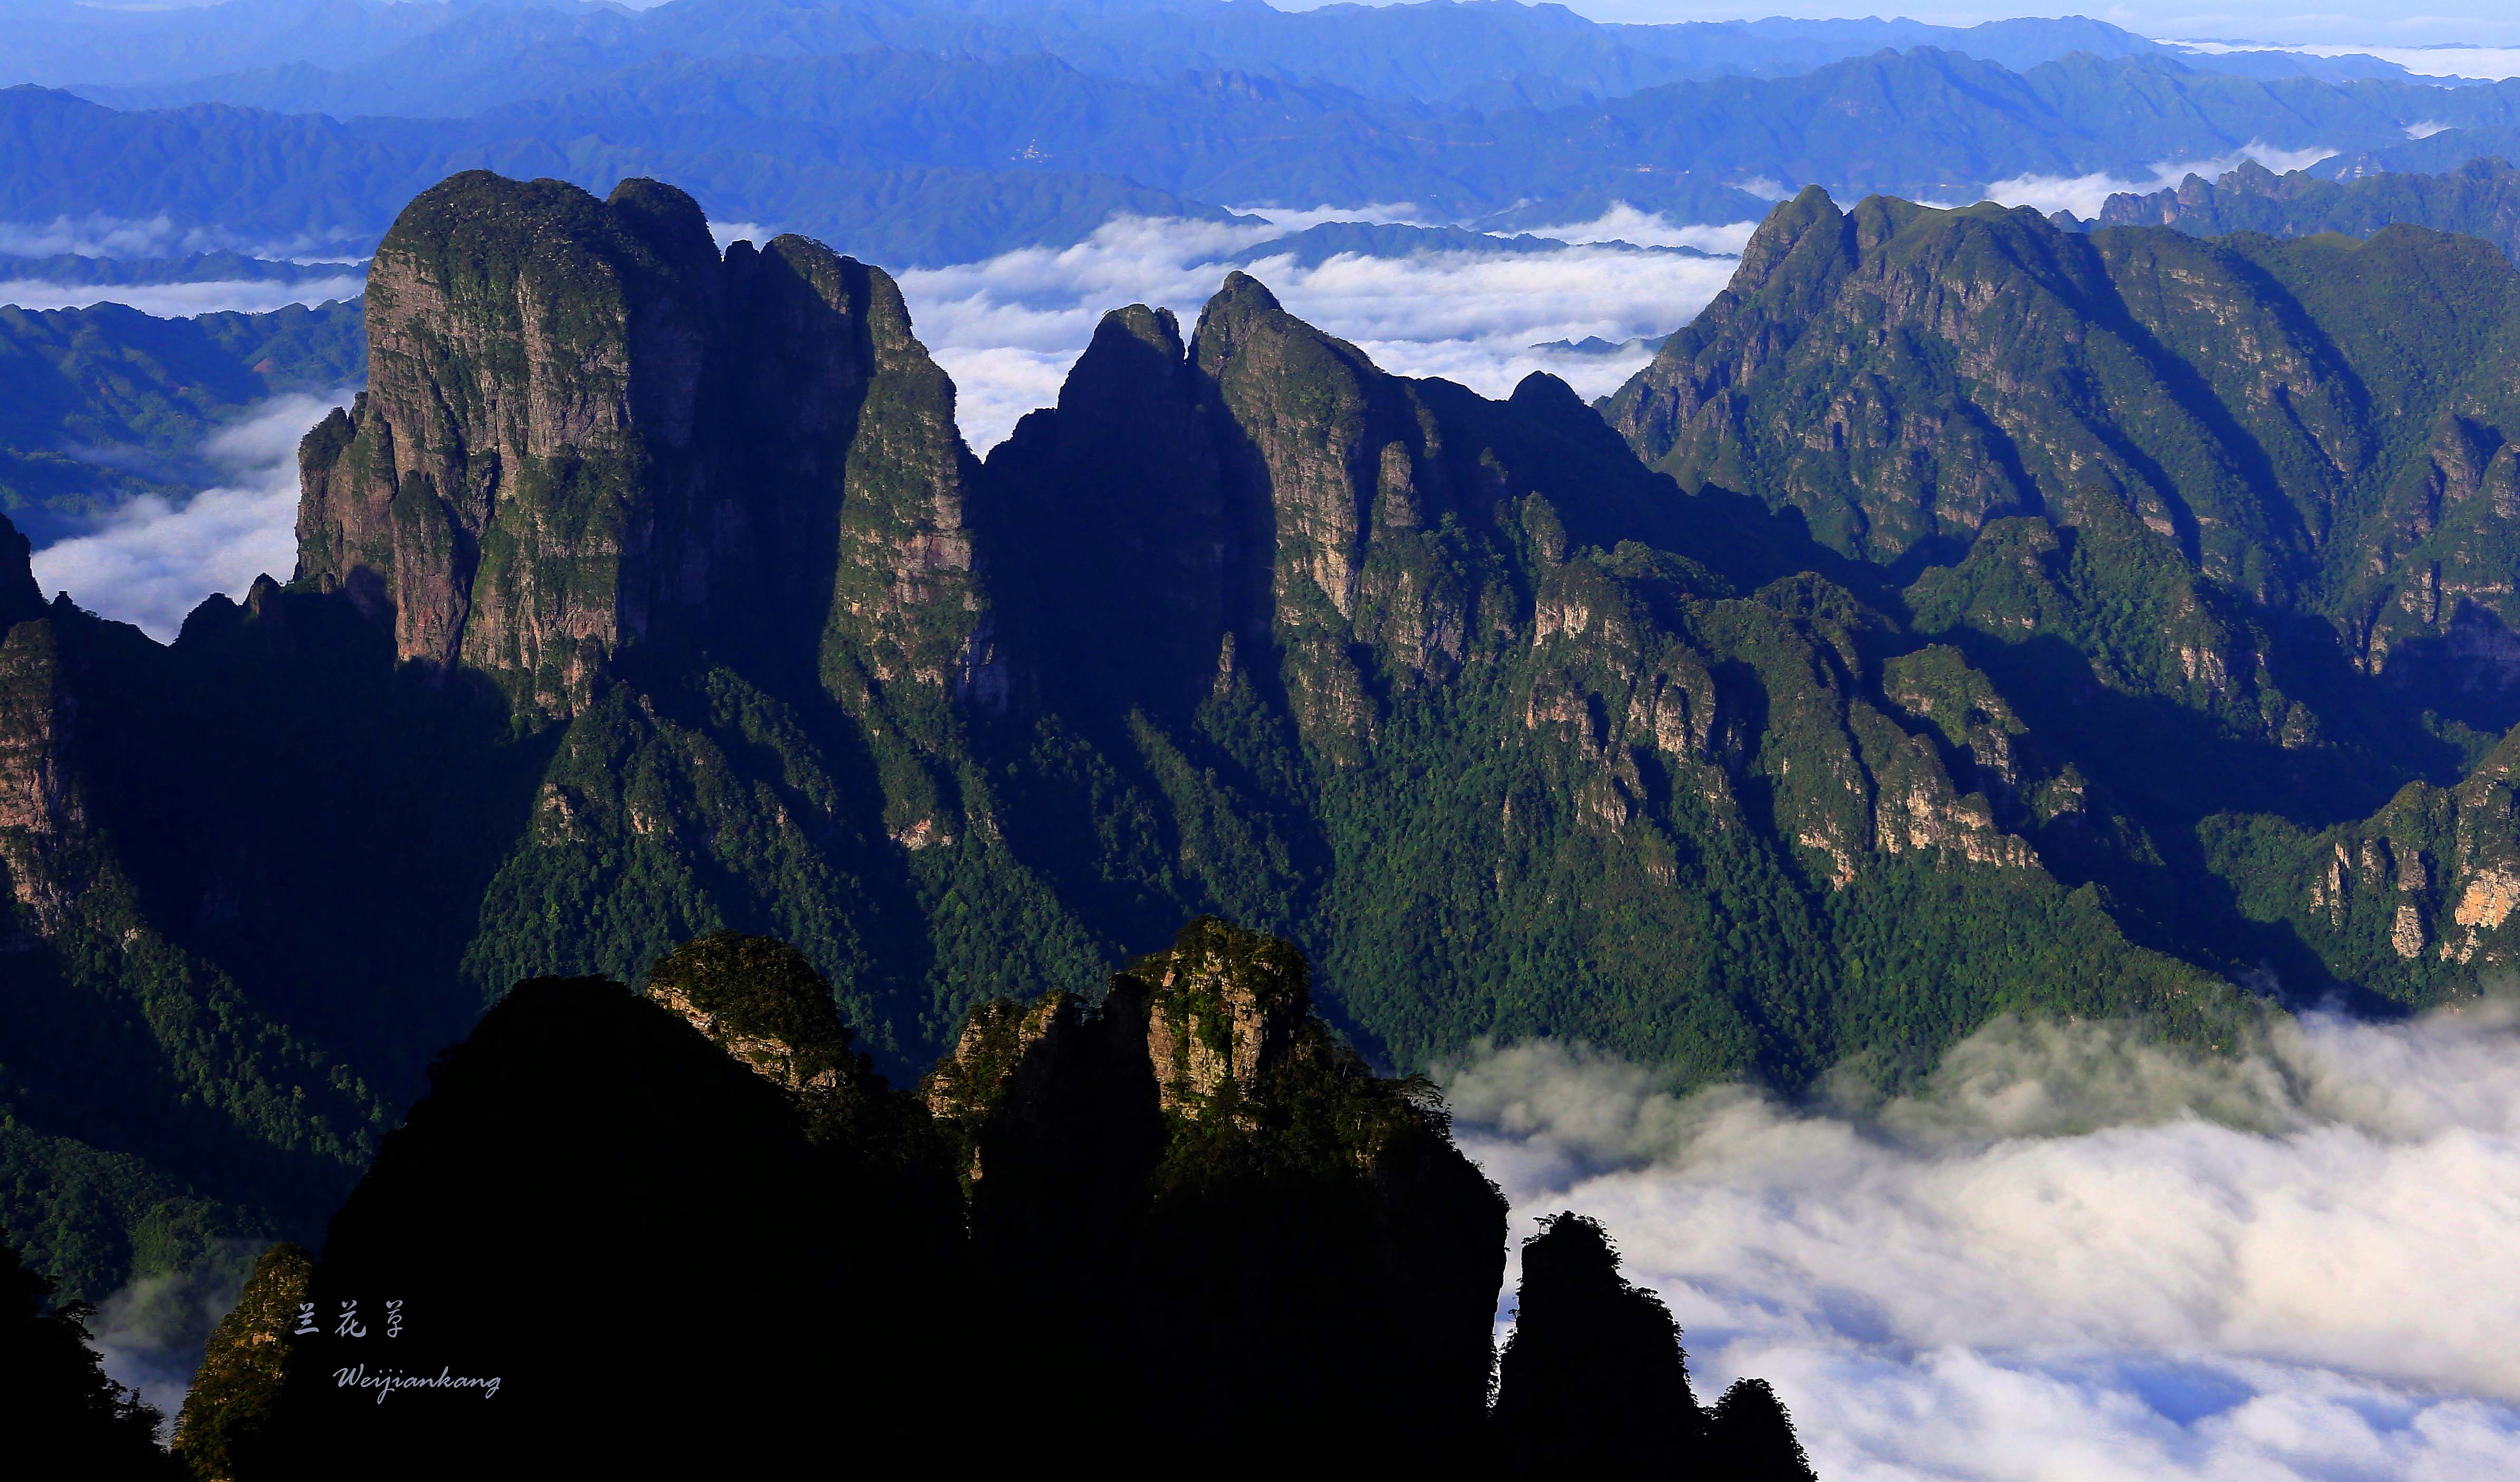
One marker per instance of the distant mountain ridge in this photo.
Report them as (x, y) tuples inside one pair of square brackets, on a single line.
[(78, 269), (918, 157), (2479, 199), (1316, 245), (428, 59)]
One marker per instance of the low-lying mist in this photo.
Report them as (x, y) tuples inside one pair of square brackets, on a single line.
[(2075, 1253), (151, 561), (1007, 329), (2084, 195), (184, 300)]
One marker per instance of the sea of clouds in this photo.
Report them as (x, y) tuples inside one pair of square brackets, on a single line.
[(2076, 1255), (2475, 64), (1008, 329), (151, 561), (181, 301), (96, 235), (2084, 195)]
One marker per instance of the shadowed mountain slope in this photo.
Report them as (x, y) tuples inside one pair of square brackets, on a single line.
[(1183, 1194)]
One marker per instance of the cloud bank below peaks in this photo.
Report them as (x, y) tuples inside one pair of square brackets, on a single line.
[(184, 300), (151, 561), (1008, 329), (2084, 195), (2075, 1254)]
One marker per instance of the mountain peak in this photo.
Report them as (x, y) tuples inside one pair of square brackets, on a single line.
[(585, 429), (1229, 315), (1224, 1005), (1785, 228), (760, 1001), (19, 596), (666, 217), (1242, 291)]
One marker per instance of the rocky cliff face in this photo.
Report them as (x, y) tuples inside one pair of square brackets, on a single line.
[(41, 809), (214, 1106), (1280, 506), (19, 598), (224, 1432), (584, 429)]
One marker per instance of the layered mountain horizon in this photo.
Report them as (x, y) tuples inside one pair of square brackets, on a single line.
[(912, 147), (1960, 619)]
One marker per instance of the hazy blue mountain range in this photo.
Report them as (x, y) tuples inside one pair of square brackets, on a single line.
[(2479, 199), (421, 59), (2437, 152), (917, 157), (74, 269)]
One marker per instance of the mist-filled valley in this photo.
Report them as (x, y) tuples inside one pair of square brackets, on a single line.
[(1451, 733)]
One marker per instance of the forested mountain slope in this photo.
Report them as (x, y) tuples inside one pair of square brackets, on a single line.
[(651, 589), (2240, 502), (102, 403)]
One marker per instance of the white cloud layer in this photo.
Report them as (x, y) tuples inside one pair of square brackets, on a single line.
[(1623, 222), (2077, 1256), (153, 561), (1007, 329), (152, 1334), (96, 235), (181, 301), (1288, 218), (2084, 195), (2484, 64)]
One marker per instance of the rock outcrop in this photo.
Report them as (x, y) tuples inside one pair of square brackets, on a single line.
[(224, 1434), (19, 598), (624, 1228), (763, 1003), (1225, 1013), (586, 429), (41, 806), (594, 1189), (1263, 500), (1594, 1376), (1594, 1379), (1193, 1190)]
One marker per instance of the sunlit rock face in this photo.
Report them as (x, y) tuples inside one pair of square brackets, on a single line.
[(584, 428)]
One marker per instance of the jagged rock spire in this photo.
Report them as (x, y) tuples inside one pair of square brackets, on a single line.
[(585, 429), (19, 596)]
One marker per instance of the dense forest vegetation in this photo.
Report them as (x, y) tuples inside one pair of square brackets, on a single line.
[(1957, 619)]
